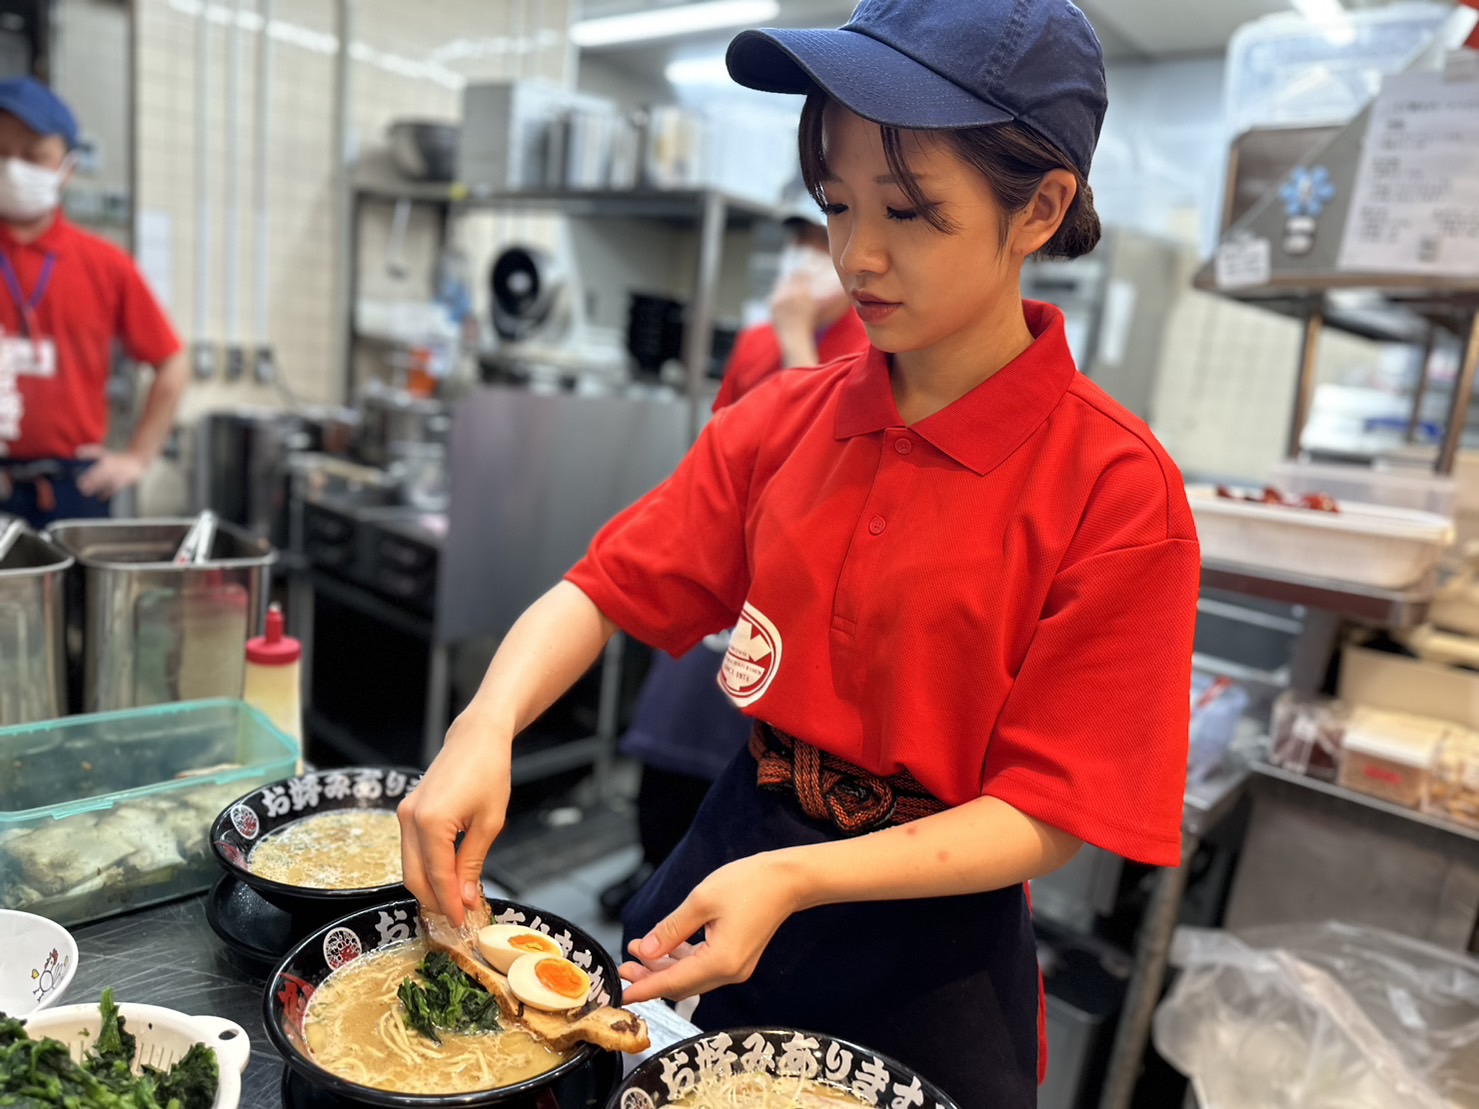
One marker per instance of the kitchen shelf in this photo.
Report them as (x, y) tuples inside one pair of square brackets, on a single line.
[(705, 213), (1330, 789), (674, 205), (1382, 314), (1381, 607)]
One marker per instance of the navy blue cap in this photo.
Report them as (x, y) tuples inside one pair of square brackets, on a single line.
[(945, 64), (38, 108)]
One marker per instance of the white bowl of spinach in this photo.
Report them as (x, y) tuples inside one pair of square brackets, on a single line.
[(110, 1056)]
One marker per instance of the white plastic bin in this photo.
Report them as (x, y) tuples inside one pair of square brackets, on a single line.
[(1404, 488), (1284, 70), (1362, 544)]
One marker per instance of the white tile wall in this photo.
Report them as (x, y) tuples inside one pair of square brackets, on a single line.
[(1225, 388), (404, 62), (90, 69)]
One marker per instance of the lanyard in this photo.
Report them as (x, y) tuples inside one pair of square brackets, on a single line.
[(27, 307)]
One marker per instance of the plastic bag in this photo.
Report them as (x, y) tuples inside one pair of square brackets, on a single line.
[(1216, 708), (1322, 1016)]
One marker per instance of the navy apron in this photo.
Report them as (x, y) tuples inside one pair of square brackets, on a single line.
[(45, 490), (948, 986), (682, 722)]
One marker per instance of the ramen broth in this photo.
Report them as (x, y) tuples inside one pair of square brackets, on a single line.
[(355, 1030), (765, 1091), (347, 850)]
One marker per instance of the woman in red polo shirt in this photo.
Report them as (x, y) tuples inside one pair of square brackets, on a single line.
[(962, 580)]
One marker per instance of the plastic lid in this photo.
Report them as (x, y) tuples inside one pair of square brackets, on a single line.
[(274, 648), (1394, 737)]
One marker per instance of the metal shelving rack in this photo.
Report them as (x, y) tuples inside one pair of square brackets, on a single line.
[(709, 212), (1379, 306)]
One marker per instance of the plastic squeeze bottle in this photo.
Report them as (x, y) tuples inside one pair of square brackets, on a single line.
[(272, 677)]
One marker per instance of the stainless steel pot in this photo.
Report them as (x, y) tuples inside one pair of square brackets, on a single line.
[(32, 631), (151, 631), (241, 466), (390, 416), (332, 429), (425, 150)]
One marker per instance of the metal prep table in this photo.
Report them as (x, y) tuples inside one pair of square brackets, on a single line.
[(533, 477), (168, 955)]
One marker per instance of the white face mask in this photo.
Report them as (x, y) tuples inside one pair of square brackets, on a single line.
[(816, 265), (28, 191)]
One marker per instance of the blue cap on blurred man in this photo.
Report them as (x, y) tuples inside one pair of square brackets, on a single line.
[(38, 108)]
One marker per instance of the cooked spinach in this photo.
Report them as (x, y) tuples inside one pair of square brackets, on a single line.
[(449, 1000), (191, 1083), (37, 1073)]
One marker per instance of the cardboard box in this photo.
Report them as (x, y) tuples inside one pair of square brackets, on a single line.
[(1398, 684)]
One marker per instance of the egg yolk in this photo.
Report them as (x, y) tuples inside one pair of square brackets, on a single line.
[(528, 943), (560, 976)]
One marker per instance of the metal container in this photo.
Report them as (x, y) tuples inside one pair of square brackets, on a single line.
[(241, 466), (32, 631), (145, 631), (391, 416), (425, 150)]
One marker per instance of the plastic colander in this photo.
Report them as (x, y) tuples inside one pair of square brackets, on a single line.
[(164, 1036)]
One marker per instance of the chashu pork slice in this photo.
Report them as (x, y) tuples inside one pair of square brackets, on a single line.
[(607, 1027)]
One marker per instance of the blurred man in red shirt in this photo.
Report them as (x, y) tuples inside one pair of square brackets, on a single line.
[(68, 298), (811, 320)]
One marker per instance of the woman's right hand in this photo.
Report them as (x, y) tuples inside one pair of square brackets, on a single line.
[(464, 792)]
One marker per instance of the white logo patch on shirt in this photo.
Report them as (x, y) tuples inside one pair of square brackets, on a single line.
[(753, 658)]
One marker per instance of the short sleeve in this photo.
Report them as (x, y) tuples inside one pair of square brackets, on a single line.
[(143, 328), (674, 567), (1093, 737)]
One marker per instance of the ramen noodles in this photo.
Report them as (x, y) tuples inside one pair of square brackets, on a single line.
[(347, 850), (765, 1091), (356, 1030)]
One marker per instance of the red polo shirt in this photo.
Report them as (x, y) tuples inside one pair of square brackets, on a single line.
[(94, 298), (1000, 598), (757, 354)]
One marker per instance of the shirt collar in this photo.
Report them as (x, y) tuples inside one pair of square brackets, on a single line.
[(982, 428), (52, 241)]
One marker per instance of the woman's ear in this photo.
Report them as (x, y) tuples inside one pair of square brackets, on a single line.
[(1040, 220)]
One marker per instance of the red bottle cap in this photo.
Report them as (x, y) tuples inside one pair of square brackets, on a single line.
[(274, 648)]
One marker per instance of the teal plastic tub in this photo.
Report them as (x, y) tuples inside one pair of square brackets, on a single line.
[(108, 812)]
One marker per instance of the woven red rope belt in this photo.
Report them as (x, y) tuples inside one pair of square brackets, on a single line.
[(833, 789)]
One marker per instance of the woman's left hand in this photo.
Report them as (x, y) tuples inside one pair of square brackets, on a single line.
[(738, 907)]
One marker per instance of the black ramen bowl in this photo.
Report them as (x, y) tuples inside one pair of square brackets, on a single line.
[(251, 818), (874, 1079), (291, 986)]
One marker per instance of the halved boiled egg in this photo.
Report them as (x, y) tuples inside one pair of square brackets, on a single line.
[(549, 982), (503, 944)]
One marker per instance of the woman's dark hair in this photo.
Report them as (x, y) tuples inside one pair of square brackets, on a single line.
[(1012, 157)]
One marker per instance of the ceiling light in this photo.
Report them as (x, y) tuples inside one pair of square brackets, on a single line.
[(698, 71), (661, 23)]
